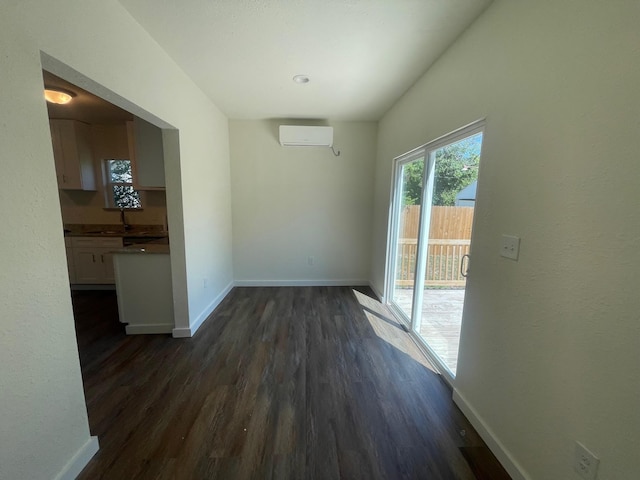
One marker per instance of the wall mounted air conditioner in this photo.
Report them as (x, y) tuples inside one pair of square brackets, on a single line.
[(305, 136)]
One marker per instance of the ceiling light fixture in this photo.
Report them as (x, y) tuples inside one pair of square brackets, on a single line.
[(301, 79), (57, 95)]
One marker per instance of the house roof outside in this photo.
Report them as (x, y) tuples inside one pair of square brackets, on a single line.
[(467, 194)]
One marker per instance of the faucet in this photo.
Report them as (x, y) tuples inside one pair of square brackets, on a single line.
[(123, 220)]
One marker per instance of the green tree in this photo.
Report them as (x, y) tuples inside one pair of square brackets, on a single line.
[(412, 183), (121, 179), (456, 168), (120, 171)]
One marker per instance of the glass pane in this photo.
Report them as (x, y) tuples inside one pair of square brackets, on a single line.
[(125, 196), (408, 215), (120, 171), (452, 201)]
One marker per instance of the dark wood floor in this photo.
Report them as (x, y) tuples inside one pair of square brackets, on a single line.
[(281, 383)]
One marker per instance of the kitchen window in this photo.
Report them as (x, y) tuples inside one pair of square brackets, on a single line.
[(119, 185)]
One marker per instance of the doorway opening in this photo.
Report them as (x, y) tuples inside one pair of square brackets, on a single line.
[(433, 202)]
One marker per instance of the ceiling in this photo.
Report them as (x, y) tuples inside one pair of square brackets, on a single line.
[(361, 55), (85, 106)]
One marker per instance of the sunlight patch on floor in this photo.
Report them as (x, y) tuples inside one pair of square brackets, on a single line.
[(389, 329)]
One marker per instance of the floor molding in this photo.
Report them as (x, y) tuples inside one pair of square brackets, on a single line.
[(497, 448), (302, 283), (74, 466), (157, 328), (193, 328)]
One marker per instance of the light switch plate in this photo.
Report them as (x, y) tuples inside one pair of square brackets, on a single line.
[(510, 247), (585, 462)]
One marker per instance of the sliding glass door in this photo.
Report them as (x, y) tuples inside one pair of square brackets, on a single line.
[(409, 175), (430, 240)]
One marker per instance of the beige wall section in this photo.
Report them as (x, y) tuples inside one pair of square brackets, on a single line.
[(79, 207), (41, 400), (290, 203), (550, 345)]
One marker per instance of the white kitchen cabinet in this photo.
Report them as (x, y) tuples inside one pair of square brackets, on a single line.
[(145, 294), (147, 152), (89, 269), (73, 155), (93, 259)]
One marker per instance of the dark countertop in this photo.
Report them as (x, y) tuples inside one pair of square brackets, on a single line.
[(143, 250), (135, 231), (136, 238), (155, 246)]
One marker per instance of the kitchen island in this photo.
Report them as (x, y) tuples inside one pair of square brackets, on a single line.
[(143, 286)]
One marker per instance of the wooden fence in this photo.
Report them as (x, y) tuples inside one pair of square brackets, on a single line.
[(446, 222), (449, 240)]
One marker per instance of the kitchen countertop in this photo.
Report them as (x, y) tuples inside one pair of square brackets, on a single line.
[(159, 246), (137, 238), (137, 231), (143, 245)]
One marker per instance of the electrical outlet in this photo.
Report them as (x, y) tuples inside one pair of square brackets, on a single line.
[(585, 462), (205, 283), (510, 247), (311, 261)]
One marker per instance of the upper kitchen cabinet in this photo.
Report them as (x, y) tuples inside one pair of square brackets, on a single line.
[(73, 156), (147, 152)]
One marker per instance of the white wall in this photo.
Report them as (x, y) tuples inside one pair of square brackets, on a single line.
[(550, 344), (44, 422), (290, 203)]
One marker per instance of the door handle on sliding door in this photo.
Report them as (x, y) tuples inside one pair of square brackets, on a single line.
[(464, 265)]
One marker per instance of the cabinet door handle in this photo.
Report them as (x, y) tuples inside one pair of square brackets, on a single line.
[(102, 258), (64, 180), (93, 257)]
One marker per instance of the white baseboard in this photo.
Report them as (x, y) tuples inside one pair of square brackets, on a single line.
[(149, 329), (74, 466), (513, 468), (183, 332), (302, 283)]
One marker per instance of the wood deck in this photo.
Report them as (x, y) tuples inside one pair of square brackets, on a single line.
[(281, 383), (441, 320)]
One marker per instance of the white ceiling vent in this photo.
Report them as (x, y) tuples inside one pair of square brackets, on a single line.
[(305, 136)]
